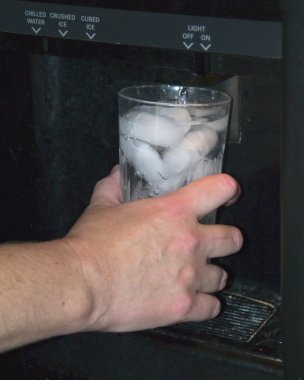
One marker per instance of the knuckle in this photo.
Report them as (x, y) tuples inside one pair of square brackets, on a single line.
[(188, 276), (188, 242), (183, 306), (173, 208), (176, 210)]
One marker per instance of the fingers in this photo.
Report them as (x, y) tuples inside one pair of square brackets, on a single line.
[(220, 240), (209, 193), (203, 196), (205, 306), (212, 279), (107, 191)]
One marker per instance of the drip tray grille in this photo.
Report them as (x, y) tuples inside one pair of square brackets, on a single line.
[(242, 318)]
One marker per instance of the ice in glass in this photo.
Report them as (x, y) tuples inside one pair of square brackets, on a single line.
[(169, 137)]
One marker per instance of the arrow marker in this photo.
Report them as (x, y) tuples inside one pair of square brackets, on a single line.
[(91, 36), (63, 33), (205, 47), (188, 46), (36, 30)]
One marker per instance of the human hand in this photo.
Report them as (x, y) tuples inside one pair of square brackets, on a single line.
[(146, 263)]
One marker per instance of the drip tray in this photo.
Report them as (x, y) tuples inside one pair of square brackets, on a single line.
[(245, 323), (241, 319)]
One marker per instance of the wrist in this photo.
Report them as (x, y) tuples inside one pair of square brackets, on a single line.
[(94, 298), (80, 306)]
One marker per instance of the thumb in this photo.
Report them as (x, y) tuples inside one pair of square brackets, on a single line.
[(107, 191)]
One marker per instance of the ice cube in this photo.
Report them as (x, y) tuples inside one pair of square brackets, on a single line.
[(202, 168), (198, 121), (185, 155), (203, 140), (177, 163), (219, 124), (179, 114), (203, 111), (124, 126), (153, 128), (146, 161), (142, 157), (179, 159)]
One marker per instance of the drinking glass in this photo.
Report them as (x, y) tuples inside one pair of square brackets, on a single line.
[(170, 136)]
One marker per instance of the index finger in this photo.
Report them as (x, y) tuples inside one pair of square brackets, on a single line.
[(209, 193)]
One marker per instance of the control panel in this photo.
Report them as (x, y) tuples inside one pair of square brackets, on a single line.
[(136, 28)]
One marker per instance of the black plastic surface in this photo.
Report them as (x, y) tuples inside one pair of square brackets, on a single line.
[(198, 32)]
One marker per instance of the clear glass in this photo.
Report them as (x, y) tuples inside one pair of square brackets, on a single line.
[(169, 137)]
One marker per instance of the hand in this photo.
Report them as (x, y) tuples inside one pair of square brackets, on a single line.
[(146, 263)]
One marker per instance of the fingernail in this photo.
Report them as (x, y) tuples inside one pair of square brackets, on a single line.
[(223, 282), (226, 181), (235, 197), (238, 238), (217, 309)]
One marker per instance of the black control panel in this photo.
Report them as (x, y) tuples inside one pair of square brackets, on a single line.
[(257, 38)]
